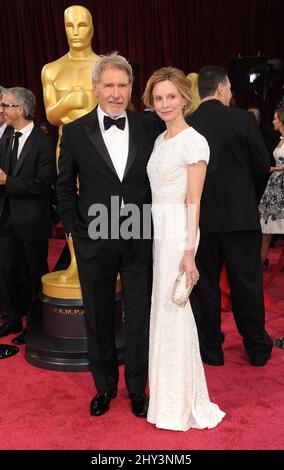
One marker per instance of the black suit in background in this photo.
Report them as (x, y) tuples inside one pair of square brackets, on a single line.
[(21, 275), (25, 218), (8, 130), (83, 153), (230, 230)]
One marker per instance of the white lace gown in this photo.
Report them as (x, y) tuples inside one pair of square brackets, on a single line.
[(178, 392)]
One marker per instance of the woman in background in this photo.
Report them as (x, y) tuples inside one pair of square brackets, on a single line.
[(271, 206)]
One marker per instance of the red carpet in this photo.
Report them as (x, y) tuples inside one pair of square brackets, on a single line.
[(50, 410)]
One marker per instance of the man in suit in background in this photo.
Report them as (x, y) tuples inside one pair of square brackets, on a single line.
[(108, 150), (27, 159), (24, 287), (229, 221)]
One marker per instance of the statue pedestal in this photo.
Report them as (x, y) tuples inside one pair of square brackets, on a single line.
[(61, 343)]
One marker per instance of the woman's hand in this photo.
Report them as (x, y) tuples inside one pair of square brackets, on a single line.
[(276, 168), (188, 266)]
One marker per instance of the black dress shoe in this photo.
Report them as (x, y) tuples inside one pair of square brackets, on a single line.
[(139, 404), (21, 339), (213, 362), (212, 355), (213, 358), (258, 362), (100, 403), (8, 328)]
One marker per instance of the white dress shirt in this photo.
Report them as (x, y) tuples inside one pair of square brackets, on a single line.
[(117, 142), (2, 129)]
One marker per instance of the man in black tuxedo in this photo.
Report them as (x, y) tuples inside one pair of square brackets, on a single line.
[(229, 221), (27, 159), (108, 150)]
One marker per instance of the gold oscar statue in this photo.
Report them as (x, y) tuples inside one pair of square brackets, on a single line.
[(61, 342), (68, 95), (192, 77)]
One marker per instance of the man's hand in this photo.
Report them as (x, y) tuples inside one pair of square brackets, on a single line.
[(3, 177)]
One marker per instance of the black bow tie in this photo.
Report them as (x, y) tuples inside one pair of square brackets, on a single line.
[(108, 122)]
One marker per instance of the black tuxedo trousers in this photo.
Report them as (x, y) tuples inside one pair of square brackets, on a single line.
[(240, 251), (98, 277), (22, 264)]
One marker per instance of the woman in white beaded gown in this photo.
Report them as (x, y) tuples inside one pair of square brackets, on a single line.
[(178, 392)]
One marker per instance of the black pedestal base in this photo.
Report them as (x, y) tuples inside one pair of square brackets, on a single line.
[(61, 343)]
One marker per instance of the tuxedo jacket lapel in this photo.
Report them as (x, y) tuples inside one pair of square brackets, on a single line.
[(26, 149), (7, 153), (94, 133), (134, 140)]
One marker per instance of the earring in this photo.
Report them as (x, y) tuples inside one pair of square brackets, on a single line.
[(183, 106)]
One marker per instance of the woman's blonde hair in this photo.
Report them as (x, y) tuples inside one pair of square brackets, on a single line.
[(280, 114), (178, 78)]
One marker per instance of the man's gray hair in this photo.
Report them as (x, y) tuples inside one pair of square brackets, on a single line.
[(24, 97), (112, 60), (2, 90)]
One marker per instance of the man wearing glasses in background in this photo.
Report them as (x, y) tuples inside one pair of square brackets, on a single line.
[(27, 159)]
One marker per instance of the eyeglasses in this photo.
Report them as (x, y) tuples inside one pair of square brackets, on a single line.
[(5, 105)]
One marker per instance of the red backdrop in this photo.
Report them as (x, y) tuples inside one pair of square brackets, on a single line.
[(152, 33)]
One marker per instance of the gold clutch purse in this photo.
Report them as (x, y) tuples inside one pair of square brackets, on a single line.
[(181, 293)]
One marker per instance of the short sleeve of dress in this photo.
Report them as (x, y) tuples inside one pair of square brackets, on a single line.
[(196, 148), (158, 140)]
